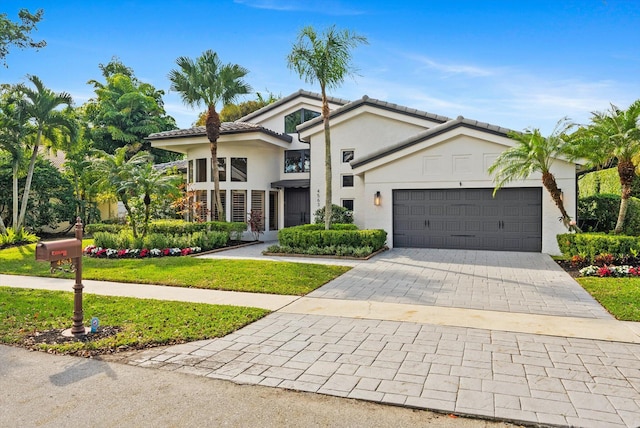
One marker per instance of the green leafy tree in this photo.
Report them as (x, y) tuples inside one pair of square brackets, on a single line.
[(13, 130), (613, 135), (125, 111), (42, 108), (18, 33), (206, 81), (117, 175), (52, 200), (325, 59), (232, 112), (535, 153)]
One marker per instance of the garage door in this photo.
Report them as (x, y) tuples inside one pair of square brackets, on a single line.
[(468, 219)]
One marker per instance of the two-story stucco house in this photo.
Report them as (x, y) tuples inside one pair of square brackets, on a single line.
[(420, 176)]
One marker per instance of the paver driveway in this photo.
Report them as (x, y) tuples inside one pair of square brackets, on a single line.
[(524, 377)]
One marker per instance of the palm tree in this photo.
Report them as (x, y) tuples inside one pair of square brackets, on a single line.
[(40, 106), (207, 81), (613, 135), (535, 153), (13, 129), (117, 174), (325, 59), (151, 181)]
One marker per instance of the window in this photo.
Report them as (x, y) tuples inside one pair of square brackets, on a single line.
[(347, 181), (222, 170), (239, 205), (223, 202), (347, 156), (201, 170), (348, 204), (201, 210), (273, 210), (238, 169), (296, 118), (190, 180), (297, 160), (257, 205)]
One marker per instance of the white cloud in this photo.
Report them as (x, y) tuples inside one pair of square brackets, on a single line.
[(334, 8)]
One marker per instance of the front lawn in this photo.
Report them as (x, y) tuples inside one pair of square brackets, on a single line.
[(619, 296), (35, 319), (255, 276)]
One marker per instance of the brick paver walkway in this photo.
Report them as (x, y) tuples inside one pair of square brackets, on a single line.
[(521, 377)]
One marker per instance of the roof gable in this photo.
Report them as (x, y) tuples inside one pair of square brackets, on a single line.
[(384, 106)]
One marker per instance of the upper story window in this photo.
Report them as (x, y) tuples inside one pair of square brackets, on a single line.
[(296, 118), (347, 181), (222, 170), (201, 170), (297, 160), (238, 169), (347, 156)]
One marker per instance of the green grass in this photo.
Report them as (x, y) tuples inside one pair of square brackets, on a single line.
[(143, 322), (619, 296), (255, 276)]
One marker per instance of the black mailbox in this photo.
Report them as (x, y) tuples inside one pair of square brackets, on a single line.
[(53, 251)]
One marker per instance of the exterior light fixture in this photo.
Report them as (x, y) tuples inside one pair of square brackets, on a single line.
[(376, 199)]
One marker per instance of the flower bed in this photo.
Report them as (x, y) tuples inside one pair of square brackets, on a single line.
[(610, 271), (110, 253)]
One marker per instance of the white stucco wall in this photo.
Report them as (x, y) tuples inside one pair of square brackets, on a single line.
[(458, 162)]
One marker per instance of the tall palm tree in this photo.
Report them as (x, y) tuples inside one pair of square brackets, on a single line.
[(207, 81), (118, 175), (325, 59), (41, 106), (614, 134), (535, 153)]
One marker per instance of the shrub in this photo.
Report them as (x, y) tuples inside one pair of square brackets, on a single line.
[(591, 245), (103, 227), (307, 236), (599, 213), (206, 240), (13, 237), (338, 215)]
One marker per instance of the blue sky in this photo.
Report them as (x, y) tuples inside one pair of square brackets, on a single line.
[(516, 64)]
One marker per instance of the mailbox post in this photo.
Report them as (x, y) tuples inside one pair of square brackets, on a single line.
[(57, 252)]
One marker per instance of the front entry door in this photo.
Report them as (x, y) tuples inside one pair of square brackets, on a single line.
[(297, 202)]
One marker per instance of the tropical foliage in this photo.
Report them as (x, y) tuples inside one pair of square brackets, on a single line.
[(206, 81), (18, 33), (324, 59), (613, 135), (125, 111), (533, 153)]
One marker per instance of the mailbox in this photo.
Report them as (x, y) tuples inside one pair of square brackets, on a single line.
[(53, 251)]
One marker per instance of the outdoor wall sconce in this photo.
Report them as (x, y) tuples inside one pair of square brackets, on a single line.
[(376, 199)]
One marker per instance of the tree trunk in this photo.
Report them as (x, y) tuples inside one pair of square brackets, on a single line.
[(549, 182), (134, 226), (626, 172), (212, 124), (27, 184), (3, 229), (147, 214), (327, 161), (14, 177)]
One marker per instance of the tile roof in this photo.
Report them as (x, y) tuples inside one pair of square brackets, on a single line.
[(299, 93), (431, 133), (225, 128), (365, 100), (180, 164)]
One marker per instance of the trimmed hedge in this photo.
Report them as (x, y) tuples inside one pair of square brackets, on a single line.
[(590, 245), (207, 240), (177, 227), (306, 236)]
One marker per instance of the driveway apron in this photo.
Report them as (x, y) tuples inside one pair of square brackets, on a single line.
[(494, 373)]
